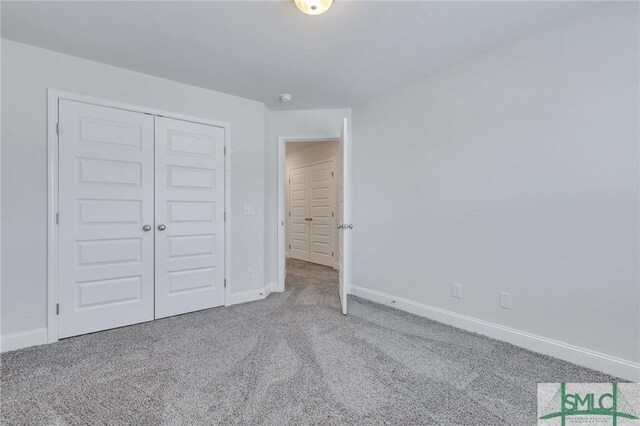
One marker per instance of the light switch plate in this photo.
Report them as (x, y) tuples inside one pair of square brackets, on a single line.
[(249, 210)]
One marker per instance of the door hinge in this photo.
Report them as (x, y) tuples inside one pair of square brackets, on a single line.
[(225, 283), (57, 128), (225, 216), (289, 213), (57, 218), (57, 309), (332, 214), (331, 254), (225, 150), (289, 180), (331, 174), (289, 245)]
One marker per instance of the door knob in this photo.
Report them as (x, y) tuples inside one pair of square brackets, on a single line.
[(161, 227), (340, 226), (349, 226), (146, 228)]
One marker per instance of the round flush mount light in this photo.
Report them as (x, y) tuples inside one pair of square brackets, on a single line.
[(285, 97), (313, 7)]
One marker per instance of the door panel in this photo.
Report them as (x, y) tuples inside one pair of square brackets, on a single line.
[(344, 215), (105, 198), (299, 209), (189, 194), (321, 231)]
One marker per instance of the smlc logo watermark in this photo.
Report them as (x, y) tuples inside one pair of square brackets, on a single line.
[(565, 404)]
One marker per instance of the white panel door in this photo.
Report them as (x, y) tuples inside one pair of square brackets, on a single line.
[(189, 217), (299, 213), (321, 230), (344, 216), (105, 200)]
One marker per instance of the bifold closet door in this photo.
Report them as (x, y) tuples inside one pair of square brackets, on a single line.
[(106, 183), (189, 199)]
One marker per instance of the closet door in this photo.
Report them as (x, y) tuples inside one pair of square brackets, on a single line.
[(299, 213), (321, 230), (105, 202), (189, 216)]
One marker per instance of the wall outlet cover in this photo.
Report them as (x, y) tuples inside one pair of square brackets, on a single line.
[(505, 300), (456, 290)]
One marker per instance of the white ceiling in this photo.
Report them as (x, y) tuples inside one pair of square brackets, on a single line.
[(356, 51)]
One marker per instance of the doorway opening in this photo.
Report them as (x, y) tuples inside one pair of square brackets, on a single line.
[(311, 182), (314, 208)]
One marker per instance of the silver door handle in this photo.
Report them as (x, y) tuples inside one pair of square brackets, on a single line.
[(161, 227), (349, 226), (340, 226), (146, 228)]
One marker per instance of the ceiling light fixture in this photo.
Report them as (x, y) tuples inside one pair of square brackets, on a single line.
[(285, 97), (313, 7)]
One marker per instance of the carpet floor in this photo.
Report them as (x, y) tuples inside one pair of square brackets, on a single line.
[(291, 359)]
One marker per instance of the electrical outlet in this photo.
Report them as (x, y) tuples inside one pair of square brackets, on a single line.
[(251, 272), (505, 300), (456, 290)]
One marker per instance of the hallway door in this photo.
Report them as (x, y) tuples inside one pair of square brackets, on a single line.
[(311, 199), (344, 216)]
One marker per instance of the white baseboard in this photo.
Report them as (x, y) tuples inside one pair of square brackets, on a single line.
[(23, 339), (251, 295), (269, 289), (612, 365)]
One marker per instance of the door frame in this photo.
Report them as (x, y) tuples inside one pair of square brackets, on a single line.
[(333, 204), (53, 98), (281, 165)]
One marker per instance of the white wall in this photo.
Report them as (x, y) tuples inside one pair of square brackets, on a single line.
[(27, 72), (515, 171), (304, 154), (325, 122)]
